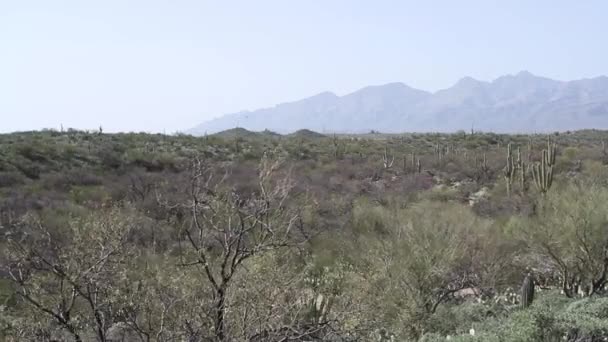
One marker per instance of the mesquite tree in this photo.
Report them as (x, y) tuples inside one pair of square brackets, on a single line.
[(226, 229), (66, 278)]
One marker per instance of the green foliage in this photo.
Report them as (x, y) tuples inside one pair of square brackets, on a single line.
[(371, 252), (570, 236), (551, 319)]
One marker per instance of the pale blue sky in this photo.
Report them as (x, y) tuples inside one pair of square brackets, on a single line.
[(168, 65)]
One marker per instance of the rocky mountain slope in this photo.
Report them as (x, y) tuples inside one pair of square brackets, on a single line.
[(512, 103)]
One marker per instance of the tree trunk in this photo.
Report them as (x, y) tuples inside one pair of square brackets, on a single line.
[(220, 311)]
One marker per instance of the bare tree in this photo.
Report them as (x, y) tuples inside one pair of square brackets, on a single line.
[(67, 276), (226, 229)]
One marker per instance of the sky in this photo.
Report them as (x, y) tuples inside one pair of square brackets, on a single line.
[(166, 66)]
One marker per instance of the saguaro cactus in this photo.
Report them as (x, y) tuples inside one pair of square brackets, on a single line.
[(387, 161), (319, 309), (441, 152), (521, 166), (527, 291), (338, 147), (542, 171), (484, 163), (509, 170)]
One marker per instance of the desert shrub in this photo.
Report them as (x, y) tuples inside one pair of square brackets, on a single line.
[(63, 181), (29, 169), (419, 260), (551, 318), (9, 179), (442, 193), (110, 156), (596, 172), (570, 236), (32, 151), (94, 196), (570, 153)]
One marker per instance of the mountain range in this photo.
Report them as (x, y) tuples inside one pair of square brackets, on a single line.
[(512, 103)]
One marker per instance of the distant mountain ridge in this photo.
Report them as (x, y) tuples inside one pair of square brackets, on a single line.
[(512, 103)]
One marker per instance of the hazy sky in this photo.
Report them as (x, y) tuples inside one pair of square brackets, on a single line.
[(168, 65)]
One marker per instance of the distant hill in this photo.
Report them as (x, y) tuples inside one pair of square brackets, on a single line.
[(240, 132), (306, 133), (269, 133), (236, 133), (512, 103)]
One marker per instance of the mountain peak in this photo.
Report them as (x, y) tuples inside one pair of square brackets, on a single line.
[(386, 87), (468, 80), (524, 77), (326, 94), (520, 102), (524, 73)]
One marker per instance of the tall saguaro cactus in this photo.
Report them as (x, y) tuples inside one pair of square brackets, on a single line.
[(527, 291), (338, 147), (319, 309), (509, 170), (438, 151), (521, 166), (387, 161), (542, 171), (413, 156)]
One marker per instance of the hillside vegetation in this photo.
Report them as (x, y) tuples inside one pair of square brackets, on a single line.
[(246, 236)]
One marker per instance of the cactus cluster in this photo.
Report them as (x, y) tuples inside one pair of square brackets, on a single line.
[(414, 161), (542, 171), (513, 167), (441, 152), (387, 160)]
